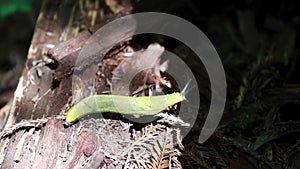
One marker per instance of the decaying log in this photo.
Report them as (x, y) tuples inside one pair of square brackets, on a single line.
[(34, 135)]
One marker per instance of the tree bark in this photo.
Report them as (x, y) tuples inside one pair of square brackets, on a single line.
[(34, 135)]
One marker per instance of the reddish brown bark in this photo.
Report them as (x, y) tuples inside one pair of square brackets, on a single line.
[(34, 135)]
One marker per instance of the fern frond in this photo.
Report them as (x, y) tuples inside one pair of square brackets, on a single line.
[(162, 153), (154, 148)]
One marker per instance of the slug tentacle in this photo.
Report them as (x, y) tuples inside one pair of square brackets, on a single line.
[(185, 90)]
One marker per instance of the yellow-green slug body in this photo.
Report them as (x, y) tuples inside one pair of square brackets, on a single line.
[(145, 105)]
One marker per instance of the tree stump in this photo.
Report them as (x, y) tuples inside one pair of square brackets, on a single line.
[(34, 135)]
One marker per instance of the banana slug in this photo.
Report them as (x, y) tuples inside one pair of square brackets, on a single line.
[(144, 105)]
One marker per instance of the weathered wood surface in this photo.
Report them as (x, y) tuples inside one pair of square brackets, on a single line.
[(58, 26), (34, 135), (41, 143)]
